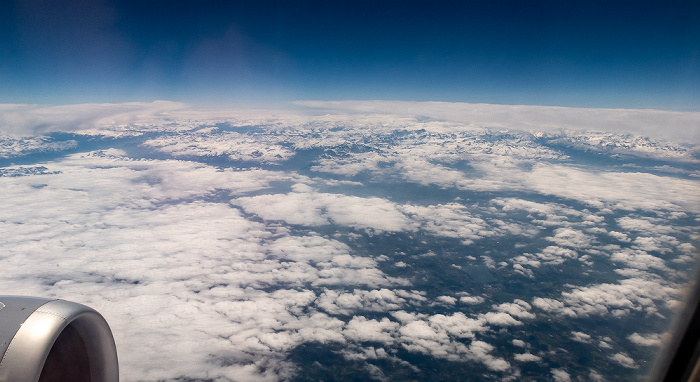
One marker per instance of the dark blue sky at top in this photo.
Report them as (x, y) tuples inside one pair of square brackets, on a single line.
[(636, 54)]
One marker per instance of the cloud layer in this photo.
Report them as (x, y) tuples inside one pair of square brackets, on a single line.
[(222, 246), (656, 123)]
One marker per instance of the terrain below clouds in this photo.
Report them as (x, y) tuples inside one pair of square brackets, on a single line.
[(364, 244)]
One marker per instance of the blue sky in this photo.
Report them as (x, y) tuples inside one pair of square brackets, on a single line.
[(630, 54)]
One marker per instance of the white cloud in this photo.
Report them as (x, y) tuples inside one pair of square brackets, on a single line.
[(517, 308), (560, 375), (631, 294), (666, 124), (596, 188), (555, 255), (651, 339), (645, 225), (426, 173), (114, 234), (500, 319), (121, 231), (316, 209), (449, 220), (661, 243), (619, 236), (581, 337), (638, 259), (378, 300), (624, 360), (596, 376), (527, 357), (618, 190), (214, 259), (447, 300), (481, 351), (361, 329), (471, 300), (421, 330), (458, 324), (568, 237), (28, 120), (547, 214), (604, 345), (551, 305)]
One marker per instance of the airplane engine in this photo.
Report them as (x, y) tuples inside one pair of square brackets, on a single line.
[(52, 340)]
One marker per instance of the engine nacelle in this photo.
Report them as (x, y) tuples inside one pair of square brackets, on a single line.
[(53, 340)]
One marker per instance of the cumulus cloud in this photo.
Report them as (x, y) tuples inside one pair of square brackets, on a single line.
[(371, 248), (117, 235), (313, 209), (555, 255), (638, 259), (624, 360), (603, 344), (361, 329), (448, 300), (651, 339), (619, 236), (581, 337), (560, 375), (449, 220), (632, 294), (481, 351), (239, 297), (471, 300), (547, 214), (517, 308), (381, 300), (645, 225), (596, 376), (527, 357), (570, 238)]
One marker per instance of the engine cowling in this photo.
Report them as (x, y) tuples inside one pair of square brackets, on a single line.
[(52, 340)]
